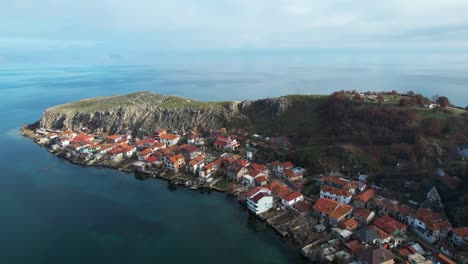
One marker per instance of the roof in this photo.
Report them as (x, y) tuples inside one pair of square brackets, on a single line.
[(257, 166), (112, 137), (292, 196), (159, 131), (278, 189), (445, 260), (366, 234), (461, 231), (353, 246), (253, 172), (373, 255), (220, 143), (432, 220), (365, 196), (332, 208), (256, 190), (258, 196), (196, 160), (152, 159), (287, 164), (350, 224), (146, 151), (336, 191), (169, 136), (362, 213), (260, 179), (389, 225), (335, 180), (175, 159), (405, 210)]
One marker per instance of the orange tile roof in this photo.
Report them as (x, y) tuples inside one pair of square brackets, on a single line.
[(349, 224), (389, 225), (175, 159), (114, 137), (196, 160), (169, 136), (332, 208), (336, 191), (260, 179), (278, 189), (335, 180), (292, 196), (365, 196), (362, 213), (146, 151), (445, 260)]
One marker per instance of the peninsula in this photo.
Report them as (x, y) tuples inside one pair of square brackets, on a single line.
[(346, 176)]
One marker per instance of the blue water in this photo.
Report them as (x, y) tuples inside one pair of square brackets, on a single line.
[(56, 212)]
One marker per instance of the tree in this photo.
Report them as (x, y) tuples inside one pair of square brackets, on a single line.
[(431, 126), (403, 102), (443, 101), (394, 92)]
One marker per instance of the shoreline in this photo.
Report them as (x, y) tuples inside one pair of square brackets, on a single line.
[(270, 218)]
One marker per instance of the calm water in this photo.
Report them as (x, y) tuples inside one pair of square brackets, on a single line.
[(56, 212)]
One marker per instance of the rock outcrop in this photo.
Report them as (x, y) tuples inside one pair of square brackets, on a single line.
[(145, 112)]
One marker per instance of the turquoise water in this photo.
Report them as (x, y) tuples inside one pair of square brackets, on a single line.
[(56, 212)]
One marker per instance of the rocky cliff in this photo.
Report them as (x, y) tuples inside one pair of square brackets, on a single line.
[(145, 112)]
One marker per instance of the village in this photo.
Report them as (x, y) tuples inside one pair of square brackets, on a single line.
[(350, 220)]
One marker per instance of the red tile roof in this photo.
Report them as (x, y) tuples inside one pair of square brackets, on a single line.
[(365, 196), (288, 164), (292, 196), (349, 224), (278, 189), (169, 136), (260, 179), (362, 213), (258, 196), (255, 190), (461, 231), (332, 208), (152, 159), (335, 180), (336, 191), (389, 225)]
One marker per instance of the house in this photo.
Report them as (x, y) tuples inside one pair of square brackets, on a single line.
[(350, 224), (463, 150), (336, 194), (143, 155), (174, 163), (259, 200), (248, 180), (460, 236), (388, 207), (360, 200), (281, 166), (227, 143), (390, 225), (195, 164), (292, 175), (116, 154), (158, 133), (375, 255), (292, 198), (431, 226), (210, 169), (261, 180), (278, 190), (153, 160), (406, 214), (169, 139), (112, 138), (189, 151), (367, 235), (332, 211), (129, 151), (363, 216)]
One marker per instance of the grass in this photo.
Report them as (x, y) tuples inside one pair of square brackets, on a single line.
[(222, 184), (140, 99)]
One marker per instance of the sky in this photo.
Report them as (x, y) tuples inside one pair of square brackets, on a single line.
[(116, 27)]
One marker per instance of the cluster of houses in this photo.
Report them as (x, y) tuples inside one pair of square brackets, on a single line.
[(367, 226)]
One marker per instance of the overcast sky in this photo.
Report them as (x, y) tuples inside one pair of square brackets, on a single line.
[(219, 24)]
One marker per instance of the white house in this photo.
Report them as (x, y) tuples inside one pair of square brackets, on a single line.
[(336, 194), (248, 180), (169, 139), (259, 200), (431, 226), (292, 198), (226, 143), (463, 150)]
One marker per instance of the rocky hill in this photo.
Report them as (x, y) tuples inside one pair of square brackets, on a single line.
[(145, 112)]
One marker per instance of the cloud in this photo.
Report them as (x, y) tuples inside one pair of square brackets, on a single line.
[(238, 23)]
